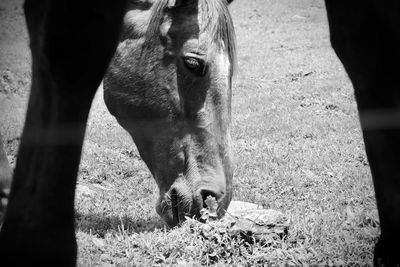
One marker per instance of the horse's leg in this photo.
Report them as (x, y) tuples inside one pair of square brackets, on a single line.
[(5, 178), (366, 37), (72, 43)]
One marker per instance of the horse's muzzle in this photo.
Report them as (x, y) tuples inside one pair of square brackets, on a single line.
[(181, 202)]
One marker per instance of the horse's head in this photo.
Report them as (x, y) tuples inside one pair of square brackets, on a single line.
[(169, 86)]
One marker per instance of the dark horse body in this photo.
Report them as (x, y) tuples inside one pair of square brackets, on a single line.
[(71, 49)]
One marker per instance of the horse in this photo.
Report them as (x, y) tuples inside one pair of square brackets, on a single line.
[(176, 101), (365, 36), (38, 227)]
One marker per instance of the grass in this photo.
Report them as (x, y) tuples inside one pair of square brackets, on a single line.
[(297, 146)]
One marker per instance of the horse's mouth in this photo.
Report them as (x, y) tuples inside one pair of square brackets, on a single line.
[(174, 209)]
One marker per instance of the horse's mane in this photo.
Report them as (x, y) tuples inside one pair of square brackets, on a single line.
[(215, 19)]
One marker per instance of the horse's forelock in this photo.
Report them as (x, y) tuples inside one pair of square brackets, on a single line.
[(156, 18), (216, 21)]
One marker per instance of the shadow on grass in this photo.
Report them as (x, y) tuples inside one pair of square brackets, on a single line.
[(99, 224)]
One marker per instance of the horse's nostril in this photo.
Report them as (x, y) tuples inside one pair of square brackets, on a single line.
[(204, 193)]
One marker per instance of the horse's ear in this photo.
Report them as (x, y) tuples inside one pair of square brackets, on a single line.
[(229, 1)]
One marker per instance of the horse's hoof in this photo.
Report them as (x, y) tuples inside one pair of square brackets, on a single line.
[(385, 254), (385, 262)]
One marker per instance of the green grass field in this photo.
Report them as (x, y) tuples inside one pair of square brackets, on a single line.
[(297, 149)]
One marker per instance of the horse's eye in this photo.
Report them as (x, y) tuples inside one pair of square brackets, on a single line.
[(196, 65)]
